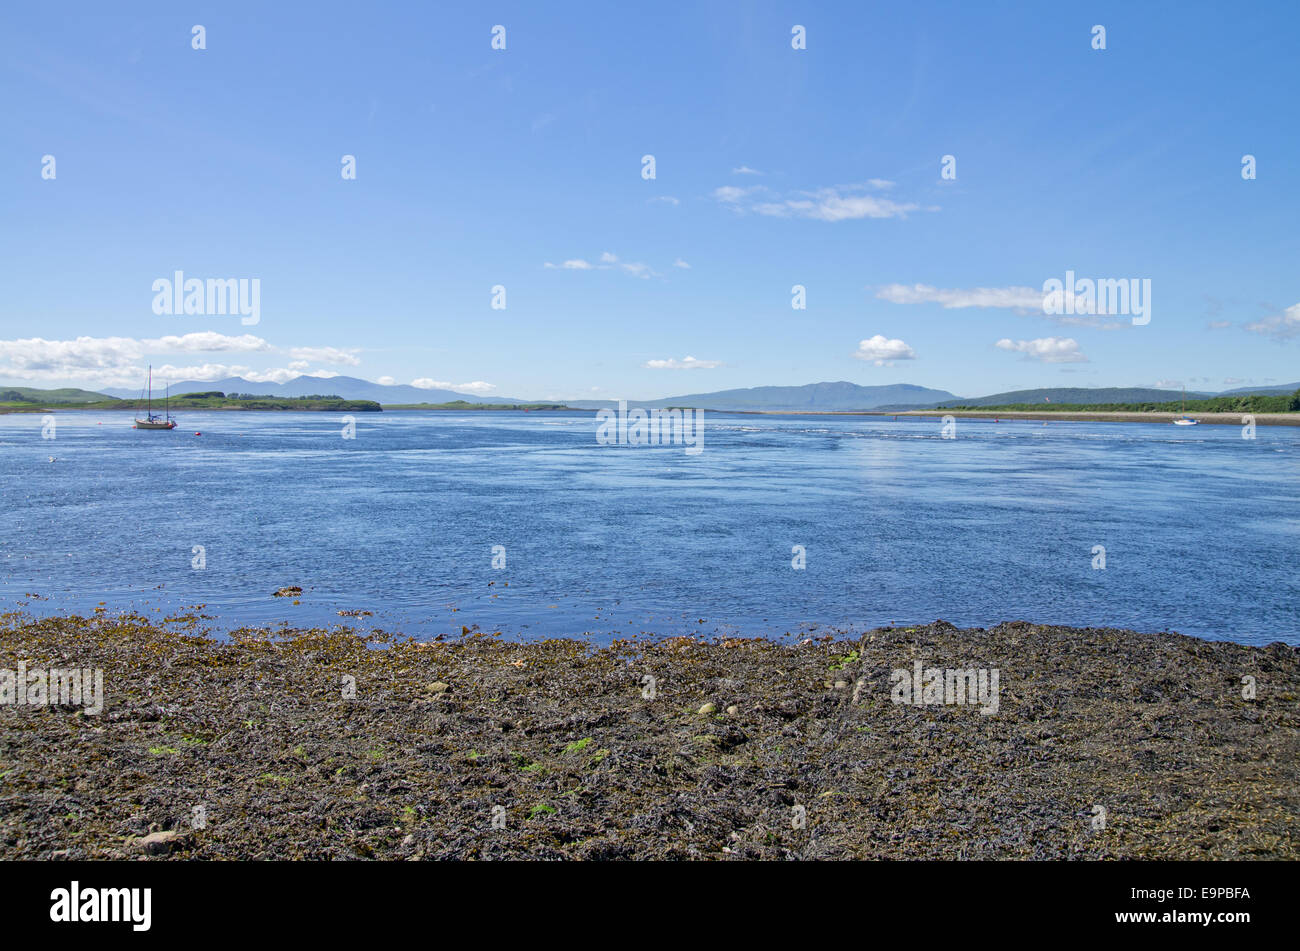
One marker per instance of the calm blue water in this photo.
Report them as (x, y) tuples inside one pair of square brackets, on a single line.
[(1201, 528)]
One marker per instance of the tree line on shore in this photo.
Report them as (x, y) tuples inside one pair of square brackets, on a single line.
[(1245, 403)]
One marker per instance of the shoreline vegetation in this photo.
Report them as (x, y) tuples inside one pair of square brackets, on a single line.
[(1068, 414), (332, 744), (211, 400), (1238, 405), (494, 407), (21, 401)]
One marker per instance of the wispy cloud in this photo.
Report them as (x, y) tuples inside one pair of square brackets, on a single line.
[(1022, 300), (275, 375), (478, 387), (332, 355), (607, 261), (839, 203), (883, 351), (1045, 349), (681, 264), (745, 170), (689, 363), (666, 199), (1009, 298), (734, 193), (1283, 326)]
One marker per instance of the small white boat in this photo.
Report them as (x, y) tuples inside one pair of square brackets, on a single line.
[(1185, 420)]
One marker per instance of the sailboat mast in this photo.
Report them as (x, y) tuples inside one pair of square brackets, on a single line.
[(151, 390)]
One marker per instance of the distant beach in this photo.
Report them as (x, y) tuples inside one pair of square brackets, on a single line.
[(1228, 419), (1231, 419)]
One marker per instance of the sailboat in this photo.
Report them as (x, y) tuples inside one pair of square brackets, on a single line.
[(1185, 420), (151, 419)]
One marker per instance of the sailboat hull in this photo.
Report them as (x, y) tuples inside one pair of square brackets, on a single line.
[(151, 420)]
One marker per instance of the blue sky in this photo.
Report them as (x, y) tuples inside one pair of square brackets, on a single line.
[(774, 167)]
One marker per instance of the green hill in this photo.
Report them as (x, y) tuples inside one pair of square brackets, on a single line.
[(1074, 396), (68, 395)]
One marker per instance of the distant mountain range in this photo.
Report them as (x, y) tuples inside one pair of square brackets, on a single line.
[(348, 387), (1264, 390), (848, 397), (1113, 394), (810, 398), (1080, 394)]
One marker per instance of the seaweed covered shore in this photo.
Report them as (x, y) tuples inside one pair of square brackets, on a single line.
[(337, 745)]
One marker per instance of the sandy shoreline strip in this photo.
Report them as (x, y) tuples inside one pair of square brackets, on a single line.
[(324, 745), (1229, 419)]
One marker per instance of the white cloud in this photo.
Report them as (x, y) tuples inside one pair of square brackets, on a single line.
[(167, 373), (123, 361), (690, 363), (1283, 326), (1011, 298), (681, 264), (666, 199), (206, 340), (734, 193), (1219, 324), (828, 205), (883, 351), (36, 353), (607, 261), (386, 381), (478, 387), (745, 170), (1046, 349), (1023, 300), (841, 203), (1168, 384), (274, 375), (335, 355)]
